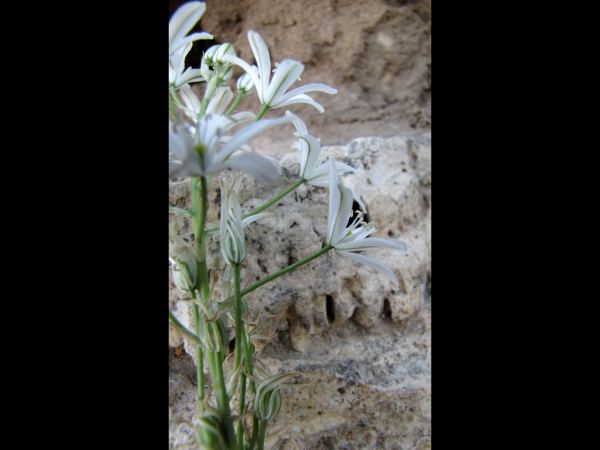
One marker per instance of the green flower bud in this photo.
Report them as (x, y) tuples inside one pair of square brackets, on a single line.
[(211, 432), (183, 263), (245, 84), (209, 55), (213, 335), (224, 49)]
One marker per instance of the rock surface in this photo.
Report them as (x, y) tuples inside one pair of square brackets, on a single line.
[(365, 344)]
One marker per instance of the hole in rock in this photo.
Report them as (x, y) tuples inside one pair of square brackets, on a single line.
[(330, 309)]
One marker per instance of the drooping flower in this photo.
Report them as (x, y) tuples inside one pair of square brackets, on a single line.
[(348, 239), (273, 93), (312, 160), (199, 155), (181, 22)]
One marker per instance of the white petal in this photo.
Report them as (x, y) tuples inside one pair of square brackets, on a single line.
[(285, 75), (362, 244), (183, 20), (247, 133), (250, 70), (263, 60), (313, 155), (251, 219), (371, 262), (221, 99), (298, 99), (308, 88), (344, 213), (189, 76), (264, 170), (334, 199), (298, 123)]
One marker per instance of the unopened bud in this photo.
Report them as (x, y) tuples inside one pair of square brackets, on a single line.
[(184, 273), (209, 55), (245, 84), (224, 49)]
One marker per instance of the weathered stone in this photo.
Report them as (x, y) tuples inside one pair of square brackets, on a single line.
[(334, 319)]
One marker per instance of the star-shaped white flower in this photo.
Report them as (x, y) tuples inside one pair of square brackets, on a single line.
[(273, 93), (200, 155), (312, 160), (348, 239), (181, 22)]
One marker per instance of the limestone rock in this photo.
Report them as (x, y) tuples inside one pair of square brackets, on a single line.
[(344, 325)]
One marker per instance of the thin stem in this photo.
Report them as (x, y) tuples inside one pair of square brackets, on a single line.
[(266, 205), (240, 435), (261, 113), (238, 317), (222, 398), (171, 107), (182, 329), (285, 270), (199, 357), (261, 437), (239, 344), (235, 102), (199, 209), (175, 96)]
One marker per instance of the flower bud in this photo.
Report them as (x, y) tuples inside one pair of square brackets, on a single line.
[(209, 55), (213, 335), (224, 49), (225, 73), (233, 241), (245, 84), (183, 264)]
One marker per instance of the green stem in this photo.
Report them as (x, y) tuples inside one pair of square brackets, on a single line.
[(182, 329), (171, 107), (261, 113), (261, 437), (199, 357), (235, 102), (240, 435), (175, 96), (222, 399), (199, 211), (285, 270), (239, 344), (266, 205), (238, 318)]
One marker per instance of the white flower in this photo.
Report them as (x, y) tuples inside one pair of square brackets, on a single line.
[(353, 238), (273, 94), (182, 21), (200, 156), (177, 77), (312, 162)]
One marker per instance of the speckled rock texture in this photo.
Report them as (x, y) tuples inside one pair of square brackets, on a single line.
[(365, 344)]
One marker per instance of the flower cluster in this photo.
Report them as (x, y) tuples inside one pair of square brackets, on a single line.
[(207, 136)]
